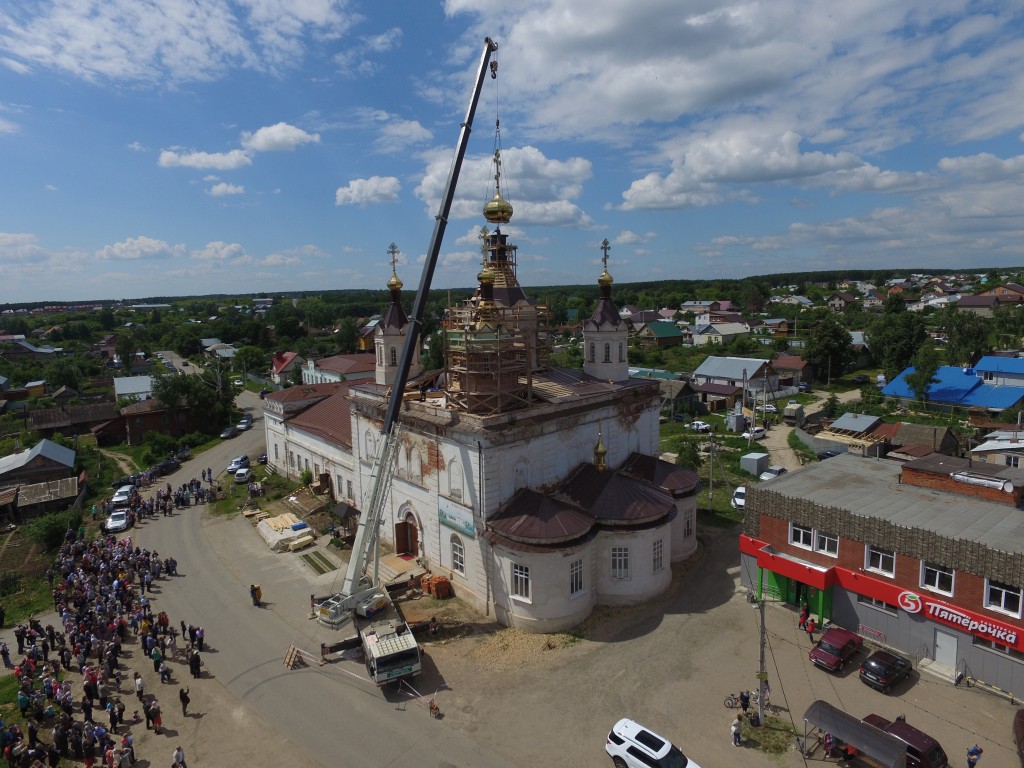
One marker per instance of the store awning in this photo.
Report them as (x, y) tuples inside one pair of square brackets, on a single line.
[(880, 746)]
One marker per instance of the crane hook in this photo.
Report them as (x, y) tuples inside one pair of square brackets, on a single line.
[(494, 70)]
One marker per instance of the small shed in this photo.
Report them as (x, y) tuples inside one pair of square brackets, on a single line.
[(754, 463), (884, 749)]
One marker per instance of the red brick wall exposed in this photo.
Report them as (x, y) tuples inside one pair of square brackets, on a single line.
[(968, 589), (945, 483)]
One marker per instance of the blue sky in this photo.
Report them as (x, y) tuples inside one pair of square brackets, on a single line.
[(166, 147)]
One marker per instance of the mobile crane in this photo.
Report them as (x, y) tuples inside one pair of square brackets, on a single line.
[(388, 644)]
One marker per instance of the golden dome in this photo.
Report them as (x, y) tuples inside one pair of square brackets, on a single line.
[(498, 210), (605, 278), (394, 283), (486, 276)]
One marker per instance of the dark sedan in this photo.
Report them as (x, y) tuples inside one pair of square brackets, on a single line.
[(228, 433), (883, 669)]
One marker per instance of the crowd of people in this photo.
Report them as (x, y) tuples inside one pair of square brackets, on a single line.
[(101, 592)]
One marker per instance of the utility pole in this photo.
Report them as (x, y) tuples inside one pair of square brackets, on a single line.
[(711, 475), (762, 672)]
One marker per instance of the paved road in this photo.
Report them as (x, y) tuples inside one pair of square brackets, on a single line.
[(327, 716), (668, 664)]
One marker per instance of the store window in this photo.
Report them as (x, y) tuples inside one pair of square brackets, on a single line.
[(937, 578), (878, 605), (880, 560), (1002, 597), (826, 543), (800, 536), (992, 645)]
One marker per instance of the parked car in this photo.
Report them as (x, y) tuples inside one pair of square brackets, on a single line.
[(184, 362), (123, 495), (238, 383), (229, 433), (167, 466), (244, 424), (127, 480), (803, 387), (822, 455), (754, 433), (883, 669), (834, 648), (237, 463), (699, 426), (739, 497), (768, 408), (772, 472), (922, 750), (117, 521), (262, 459), (264, 392), (860, 379), (244, 475), (633, 746)]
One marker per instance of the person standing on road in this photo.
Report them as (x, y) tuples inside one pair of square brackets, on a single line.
[(811, 626), (184, 699), (973, 756), (737, 731), (805, 614), (745, 701), (179, 757)]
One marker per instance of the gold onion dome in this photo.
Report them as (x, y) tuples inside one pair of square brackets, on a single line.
[(486, 276), (605, 278), (498, 210), (394, 283)]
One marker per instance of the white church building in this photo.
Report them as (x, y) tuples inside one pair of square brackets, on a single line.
[(537, 490)]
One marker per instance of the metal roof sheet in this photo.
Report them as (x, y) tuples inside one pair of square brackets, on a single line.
[(872, 488)]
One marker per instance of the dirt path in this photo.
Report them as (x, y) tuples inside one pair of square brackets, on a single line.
[(122, 461)]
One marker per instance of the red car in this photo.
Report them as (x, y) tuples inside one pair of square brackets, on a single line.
[(835, 648)]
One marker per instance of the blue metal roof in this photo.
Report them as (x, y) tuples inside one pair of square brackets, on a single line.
[(955, 387), (1001, 364)]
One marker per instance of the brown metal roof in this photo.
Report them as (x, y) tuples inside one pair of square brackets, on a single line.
[(616, 499), (532, 517), (355, 363), (329, 418), (677, 480)]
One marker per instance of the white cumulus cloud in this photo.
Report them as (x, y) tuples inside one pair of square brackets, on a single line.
[(135, 248), (280, 137), (220, 161), (222, 189), (376, 189)]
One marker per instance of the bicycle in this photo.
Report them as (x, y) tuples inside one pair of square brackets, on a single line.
[(732, 701)]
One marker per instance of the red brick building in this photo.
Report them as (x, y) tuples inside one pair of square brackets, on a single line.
[(925, 557)]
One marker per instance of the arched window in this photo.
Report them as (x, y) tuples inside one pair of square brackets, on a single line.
[(371, 445), (592, 351), (622, 353), (394, 356), (607, 353), (380, 354), (458, 555)]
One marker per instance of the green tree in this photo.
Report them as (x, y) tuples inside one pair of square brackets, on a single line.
[(829, 348), (687, 451), (251, 360), (926, 364), (968, 336), (894, 338), (64, 372), (125, 348)]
